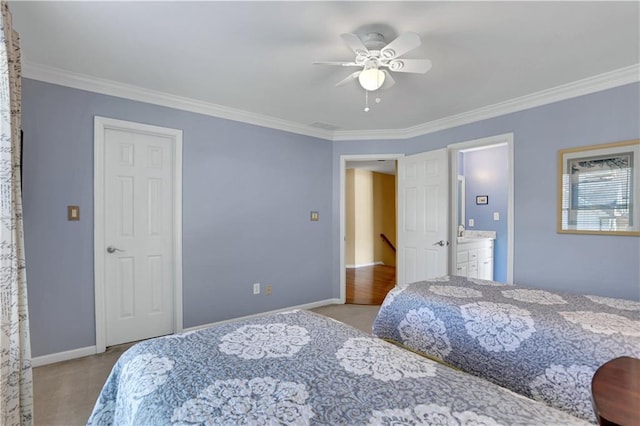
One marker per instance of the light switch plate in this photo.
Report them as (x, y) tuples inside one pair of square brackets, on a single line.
[(471, 222), (73, 212), (496, 216), (315, 216)]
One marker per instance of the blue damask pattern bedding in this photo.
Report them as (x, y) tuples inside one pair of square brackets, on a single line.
[(541, 344), (298, 368)]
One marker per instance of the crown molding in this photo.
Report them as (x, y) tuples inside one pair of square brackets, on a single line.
[(112, 88), (608, 80)]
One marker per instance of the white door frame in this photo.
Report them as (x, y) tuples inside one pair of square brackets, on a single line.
[(100, 124), (343, 184), (454, 149)]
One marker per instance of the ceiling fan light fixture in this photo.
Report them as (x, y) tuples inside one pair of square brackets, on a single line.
[(371, 79)]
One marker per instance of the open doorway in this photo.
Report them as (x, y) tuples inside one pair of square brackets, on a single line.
[(482, 207), (368, 267)]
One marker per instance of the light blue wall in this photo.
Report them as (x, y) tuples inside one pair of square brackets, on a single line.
[(602, 265), (247, 194), (486, 172)]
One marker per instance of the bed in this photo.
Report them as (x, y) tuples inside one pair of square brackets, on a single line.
[(541, 344), (299, 368)]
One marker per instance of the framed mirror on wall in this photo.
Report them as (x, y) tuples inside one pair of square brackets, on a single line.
[(598, 189)]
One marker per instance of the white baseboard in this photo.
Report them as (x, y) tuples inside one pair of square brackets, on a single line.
[(362, 265), (63, 356), (305, 306), (91, 350)]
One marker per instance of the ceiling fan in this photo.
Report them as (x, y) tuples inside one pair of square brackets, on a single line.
[(376, 59)]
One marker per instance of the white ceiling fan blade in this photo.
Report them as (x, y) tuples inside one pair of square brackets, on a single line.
[(401, 45), (355, 44), (388, 80), (342, 64), (350, 78), (419, 66)]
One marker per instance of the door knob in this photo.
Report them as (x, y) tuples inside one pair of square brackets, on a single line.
[(441, 243), (112, 249)]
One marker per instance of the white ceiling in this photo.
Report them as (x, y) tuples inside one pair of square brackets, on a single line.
[(255, 58)]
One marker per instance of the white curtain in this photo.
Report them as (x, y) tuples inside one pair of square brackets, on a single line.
[(16, 384)]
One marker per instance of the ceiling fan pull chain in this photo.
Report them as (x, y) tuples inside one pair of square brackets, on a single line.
[(366, 101)]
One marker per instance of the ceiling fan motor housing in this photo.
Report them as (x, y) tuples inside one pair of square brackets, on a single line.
[(374, 41)]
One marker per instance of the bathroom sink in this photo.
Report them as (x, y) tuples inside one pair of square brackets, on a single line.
[(466, 239), (472, 238)]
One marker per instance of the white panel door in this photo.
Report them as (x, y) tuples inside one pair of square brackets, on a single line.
[(423, 203), (138, 235)]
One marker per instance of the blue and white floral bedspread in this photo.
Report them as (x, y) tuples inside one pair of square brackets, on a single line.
[(298, 368), (541, 344)]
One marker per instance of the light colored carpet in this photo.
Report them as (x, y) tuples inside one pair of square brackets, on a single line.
[(358, 316), (65, 392)]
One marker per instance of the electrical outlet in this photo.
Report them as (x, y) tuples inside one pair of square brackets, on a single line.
[(267, 290), (471, 222), (256, 288)]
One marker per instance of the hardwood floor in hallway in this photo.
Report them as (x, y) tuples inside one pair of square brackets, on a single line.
[(369, 285)]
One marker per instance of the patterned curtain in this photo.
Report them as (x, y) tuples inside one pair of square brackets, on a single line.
[(16, 385)]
